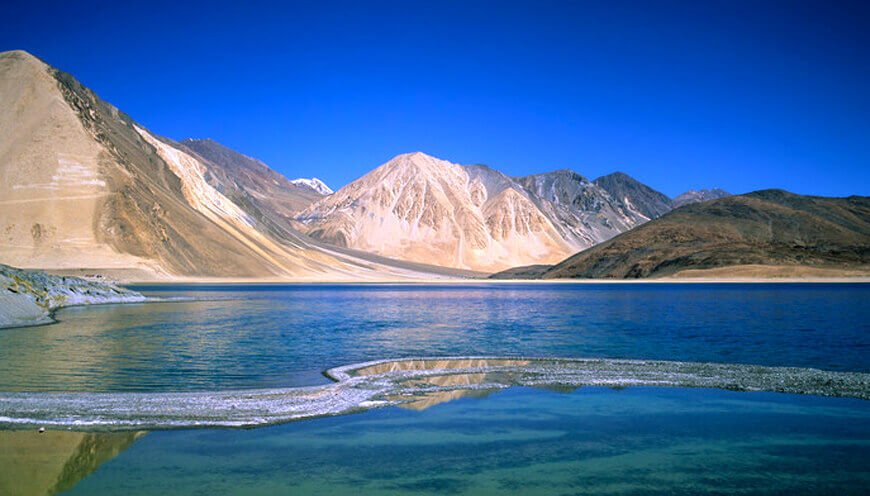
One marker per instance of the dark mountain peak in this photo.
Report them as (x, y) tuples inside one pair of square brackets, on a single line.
[(483, 167), (617, 175), (635, 196), (202, 141), (569, 174), (220, 154), (558, 174), (238, 176)]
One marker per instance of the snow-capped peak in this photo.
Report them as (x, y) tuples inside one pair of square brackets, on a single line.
[(315, 184)]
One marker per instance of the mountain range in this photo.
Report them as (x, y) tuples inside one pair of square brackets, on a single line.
[(770, 233), (418, 207), (85, 188)]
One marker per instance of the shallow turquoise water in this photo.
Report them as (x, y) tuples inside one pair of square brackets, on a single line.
[(522, 441), (516, 441)]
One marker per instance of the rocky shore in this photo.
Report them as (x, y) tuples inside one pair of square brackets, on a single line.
[(29, 297)]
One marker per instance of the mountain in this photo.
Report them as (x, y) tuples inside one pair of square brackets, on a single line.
[(635, 196), (247, 180), (314, 184), (416, 207), (698, 195), (268, 197), (83, 186), (584, 213), (770, 232), (420, 208)]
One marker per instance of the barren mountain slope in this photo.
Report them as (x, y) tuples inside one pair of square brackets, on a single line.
[(82, 186), (269, 197), (56, 180), (632, 195), (416, 207), (770, 228), (583, 212)]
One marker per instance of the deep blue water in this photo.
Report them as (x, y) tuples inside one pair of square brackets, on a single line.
[(270, 336)]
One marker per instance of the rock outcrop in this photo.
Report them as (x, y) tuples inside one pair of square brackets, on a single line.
[(29, 297)]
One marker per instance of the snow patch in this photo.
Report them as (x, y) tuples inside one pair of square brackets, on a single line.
[(315, 184)]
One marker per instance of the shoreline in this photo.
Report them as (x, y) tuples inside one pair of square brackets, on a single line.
[(749, 273), (30, 298), (460, 281)]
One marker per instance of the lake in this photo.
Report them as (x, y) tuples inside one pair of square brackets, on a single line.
[(470, 436)]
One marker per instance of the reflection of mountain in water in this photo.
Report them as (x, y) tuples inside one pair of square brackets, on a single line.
[(444, 391), (34, 464)]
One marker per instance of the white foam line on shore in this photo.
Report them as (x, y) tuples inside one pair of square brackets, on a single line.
[(382, 383)]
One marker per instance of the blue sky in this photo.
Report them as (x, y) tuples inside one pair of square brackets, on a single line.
[(741, 95)]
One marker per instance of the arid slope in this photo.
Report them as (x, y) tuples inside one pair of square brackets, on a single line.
[(770, 229), (82, 186), (420, 208)]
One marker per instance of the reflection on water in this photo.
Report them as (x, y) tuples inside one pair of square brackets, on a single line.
[(36, 464), (522, 441), (516, 441), (286, 336), (52, 462), (592, 440), (445, 388)]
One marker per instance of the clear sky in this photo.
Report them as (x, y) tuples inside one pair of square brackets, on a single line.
[(740, 94)]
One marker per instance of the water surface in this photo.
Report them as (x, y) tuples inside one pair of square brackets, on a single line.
[(279, 336), (479, 441), (517, 441)]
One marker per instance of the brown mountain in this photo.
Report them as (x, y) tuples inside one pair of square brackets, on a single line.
[(769, 232), (53, 462)]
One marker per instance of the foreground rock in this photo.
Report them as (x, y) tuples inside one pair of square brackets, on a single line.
[(29, 297)]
